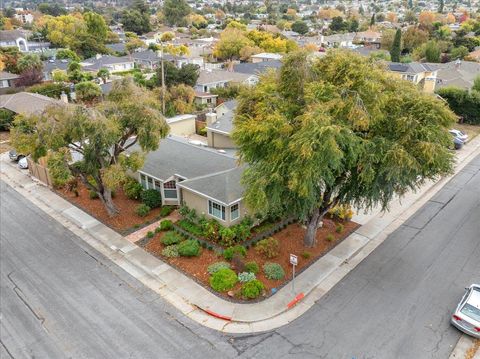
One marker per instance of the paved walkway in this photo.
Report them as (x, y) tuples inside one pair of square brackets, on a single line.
[(198, 303), (142, 233)]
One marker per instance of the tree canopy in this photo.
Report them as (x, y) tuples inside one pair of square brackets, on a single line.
[(100, 134), (137, 18), (337, 130), (175, 12)]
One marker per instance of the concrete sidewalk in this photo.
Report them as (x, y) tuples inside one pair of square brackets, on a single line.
[(200, 304)]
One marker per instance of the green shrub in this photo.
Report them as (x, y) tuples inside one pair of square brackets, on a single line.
[(132, 189), (166, 210), (227, 236), (151, 198), (211, 229), (142, 210), (273, 271), (223, 280), (246, 277), (189, 248), (6, 119), (150, 234), (242, 232), (330, 237), (252, 289), (166, 225), (190, 227), (268, 247), (339, 228), (215, 267), (92, 194), (252, 267), (231, 251), (306, 255), (158, 230), (170, 238), (170, 251)]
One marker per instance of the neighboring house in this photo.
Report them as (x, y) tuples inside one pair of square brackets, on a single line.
[(14, 38), (182, 125), (205, 98), (26, 103), (52, 65), (369, 37), (118, 47), (211, 79), (256, 68), (199, 177), (7, 80), (220, 125), (25, 17), (151, 60), (421, 74), (338, 40), (18, 39), (111, 63), (265, 56), (457, 73)]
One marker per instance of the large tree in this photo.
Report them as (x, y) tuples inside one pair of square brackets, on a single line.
[(175, 12), (137, 18), (101, 135), (337, 130), (396, 48)]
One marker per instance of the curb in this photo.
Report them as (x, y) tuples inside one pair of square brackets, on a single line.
[(210, 313)]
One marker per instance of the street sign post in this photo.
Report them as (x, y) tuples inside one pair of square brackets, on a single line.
[(293, 262)]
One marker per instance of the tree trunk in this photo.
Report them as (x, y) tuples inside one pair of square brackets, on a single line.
[(106, 198), (310, 236)]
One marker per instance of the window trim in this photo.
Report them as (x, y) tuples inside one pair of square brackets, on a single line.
[(223, 210), (237, 210)]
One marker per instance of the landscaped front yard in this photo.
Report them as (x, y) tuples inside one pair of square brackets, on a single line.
[(263, 262)]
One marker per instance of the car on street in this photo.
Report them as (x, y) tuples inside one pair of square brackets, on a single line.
[(457, 143), (467, 314), (23, 163), (14, 156), (462, 136)]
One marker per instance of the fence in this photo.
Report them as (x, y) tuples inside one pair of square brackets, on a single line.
[(39, 171)]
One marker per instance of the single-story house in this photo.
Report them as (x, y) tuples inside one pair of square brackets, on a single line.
[(220, 125), (199, 177), (266, 56), (111, 63), (118, 47), (338, 40), (51, 65), (18, 38), (211, 79), (151, 60), (256, 68), (421, 74), (369, 37), (182, 125), (26, 103), (205, 98), (457, 73), (7, 79)]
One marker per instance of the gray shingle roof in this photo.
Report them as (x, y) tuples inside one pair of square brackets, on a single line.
[(412, 67), (257, 68), (26, 103), (174, 157), (149, 55), (223, 186), (11, 35), (119, 47), (224, 123), (461, 74), (96, 64), (51, 65), (214, 76), (8, 76)]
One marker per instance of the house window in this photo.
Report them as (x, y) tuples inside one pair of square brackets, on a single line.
[(209, 100), (216, 210), (170, 190), (234, 212), (158, 186), (205, 88), (143, 180), (150, 182)]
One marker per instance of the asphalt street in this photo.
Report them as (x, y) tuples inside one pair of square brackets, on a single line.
[(62, 299)]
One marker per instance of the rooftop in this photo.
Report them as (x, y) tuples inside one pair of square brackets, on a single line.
[(224, 123), (213, 76), (26, 103), (257, 68), (8, 76)]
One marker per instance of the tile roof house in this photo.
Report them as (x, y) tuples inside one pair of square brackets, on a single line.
[(7, 79), (211, 79), (26, 103), (111, 63), (424, 75), (200, 177), (220, 125)]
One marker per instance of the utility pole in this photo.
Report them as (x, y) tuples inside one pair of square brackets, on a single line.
[(163, 80)]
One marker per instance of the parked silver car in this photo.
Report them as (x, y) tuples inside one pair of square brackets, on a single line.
[(467, 315)]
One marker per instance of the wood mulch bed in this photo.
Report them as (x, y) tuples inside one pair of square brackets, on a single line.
[(291, 242), (125, 222)]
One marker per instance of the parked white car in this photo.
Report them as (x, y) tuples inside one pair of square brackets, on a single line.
[(459, 135), (467, 315)]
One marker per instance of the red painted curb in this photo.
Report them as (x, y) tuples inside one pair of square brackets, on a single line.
[(216, 315), (298, 298)]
